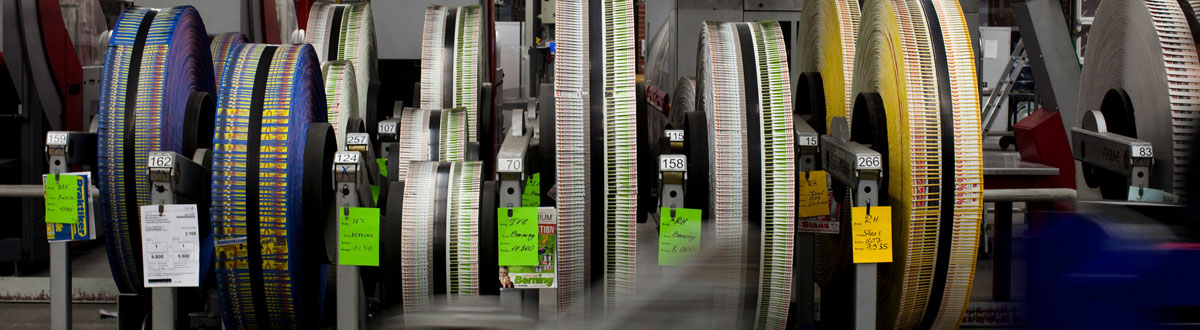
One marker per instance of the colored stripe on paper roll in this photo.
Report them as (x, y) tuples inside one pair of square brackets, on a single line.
[(431, 135), (269, 274), (450, 61), (341, 97), (620, 154), (743, 85), (572, 150), (346, 32), (440, 233), (222, 44), (156, 59), (925, 110)]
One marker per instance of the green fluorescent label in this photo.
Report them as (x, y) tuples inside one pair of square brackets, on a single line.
[(678, 235), (518, 236), (64, 198), (358, 232)]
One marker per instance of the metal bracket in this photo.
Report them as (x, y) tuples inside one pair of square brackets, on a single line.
[(854, 165), (389, 141), (352, 189), (807, 144), (510, 166), (1093, 145), (672, 176), (361, 142), (675, 138), (177, 179)]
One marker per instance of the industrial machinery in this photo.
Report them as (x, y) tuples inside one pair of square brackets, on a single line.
[(821, 164)]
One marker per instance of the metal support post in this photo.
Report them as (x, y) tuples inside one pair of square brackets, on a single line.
[(860, 168), (351, 190), (60, 252), (803, 294), (173, 179), (510, 170)]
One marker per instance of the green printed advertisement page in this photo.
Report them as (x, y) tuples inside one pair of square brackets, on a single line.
[(544, 275)]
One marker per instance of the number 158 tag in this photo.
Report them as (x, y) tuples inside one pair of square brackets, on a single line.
[(672, 163)]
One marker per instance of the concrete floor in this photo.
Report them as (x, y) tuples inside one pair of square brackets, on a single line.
[(37, 316)]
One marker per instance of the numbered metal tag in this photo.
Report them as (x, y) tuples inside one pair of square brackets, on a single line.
[(672, 163), (357, 139), (674, 135), (510, 165), (387, 127), (1142, 150), (56, 138), (873, 162), (807, 141), (346, 157), (160, 159)]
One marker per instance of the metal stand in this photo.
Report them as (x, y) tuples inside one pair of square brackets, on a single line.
[(173, 178), (803, 293), (860, 168), (60, 252), (352, 190), (60, 286), (510, 168)]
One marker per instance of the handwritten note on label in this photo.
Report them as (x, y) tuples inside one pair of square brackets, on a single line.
[(358, 234), (518, 236), (64, 198), (83, 228), (813, 193), (678, 235), (872, 234), (532, 196)]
